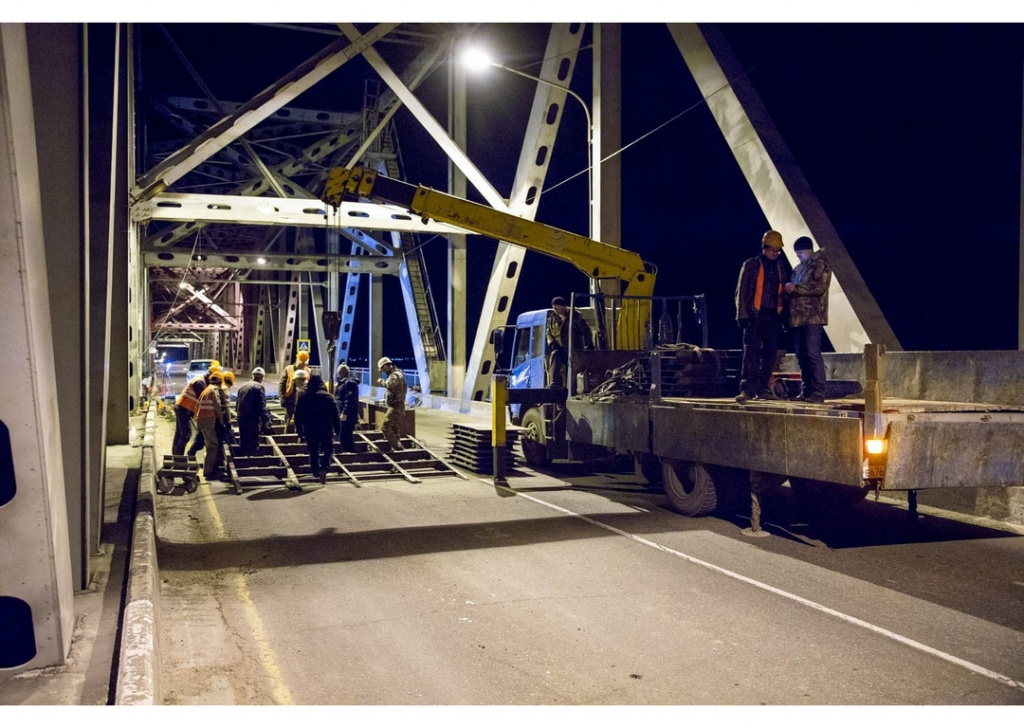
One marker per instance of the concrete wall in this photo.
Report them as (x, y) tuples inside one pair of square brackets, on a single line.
[(993, 377)]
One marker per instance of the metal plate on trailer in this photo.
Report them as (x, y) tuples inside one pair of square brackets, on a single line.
[(954, 455), (805, 445), (621, 425)]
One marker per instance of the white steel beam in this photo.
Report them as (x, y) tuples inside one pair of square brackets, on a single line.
[(298, 262), (239, 210)]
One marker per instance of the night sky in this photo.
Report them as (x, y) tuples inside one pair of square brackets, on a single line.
[(910, 135)]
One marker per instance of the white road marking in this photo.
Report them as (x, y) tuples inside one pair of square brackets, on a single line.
[(977, 669)]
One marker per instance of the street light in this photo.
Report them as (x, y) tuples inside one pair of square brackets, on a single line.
[(477, 60)]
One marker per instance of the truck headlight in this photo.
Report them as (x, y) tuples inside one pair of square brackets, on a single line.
[(874, 446)]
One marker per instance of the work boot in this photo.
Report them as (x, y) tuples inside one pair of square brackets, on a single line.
[(323, 477), (744, 397)]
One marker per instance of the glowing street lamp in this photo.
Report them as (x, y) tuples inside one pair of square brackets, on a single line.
[(477, 60)]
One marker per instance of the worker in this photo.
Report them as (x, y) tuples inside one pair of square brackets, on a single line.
[(347, 395), (300, 380), (210, 416), (394, 382), (226, 432), (286, 388), (759, 304), (557, 332), (198, 443), (184, 414), (807, 292), (317, 422), (251, 412)]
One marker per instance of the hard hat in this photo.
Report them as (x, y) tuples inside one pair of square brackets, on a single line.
[(229, 378), (383, 360), (258, 370), (772, 239), (303, 356), (804, 243), (214, 364), (299, 374), (558, 301), (343, 370), (216, 378)]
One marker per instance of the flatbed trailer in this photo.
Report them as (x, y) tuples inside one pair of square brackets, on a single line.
[(704, 449), (708, 450)]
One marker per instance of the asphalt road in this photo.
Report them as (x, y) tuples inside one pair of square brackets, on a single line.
[(581, 588)]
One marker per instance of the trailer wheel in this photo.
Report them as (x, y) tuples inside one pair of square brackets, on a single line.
[(824, 496), (689, 487), (535, 452)]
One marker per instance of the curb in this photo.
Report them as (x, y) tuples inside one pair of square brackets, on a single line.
[(138, 671)]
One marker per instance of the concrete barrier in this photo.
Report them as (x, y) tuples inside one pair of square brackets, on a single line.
[(138, 672)]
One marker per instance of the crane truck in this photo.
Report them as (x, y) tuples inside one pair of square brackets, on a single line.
[(641, 390)]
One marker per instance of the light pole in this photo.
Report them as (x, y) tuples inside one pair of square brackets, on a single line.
[(478, 60)]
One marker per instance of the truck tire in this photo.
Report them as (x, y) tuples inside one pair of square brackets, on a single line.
[(689, 487), (535, 452), (823, 496)]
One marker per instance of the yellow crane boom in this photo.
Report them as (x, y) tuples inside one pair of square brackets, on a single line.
[(598, 260)]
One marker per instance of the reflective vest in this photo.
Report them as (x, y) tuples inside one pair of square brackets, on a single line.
[(209, 403), (189, 397)]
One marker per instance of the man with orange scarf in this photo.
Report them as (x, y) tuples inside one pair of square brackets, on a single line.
[(759, 303)]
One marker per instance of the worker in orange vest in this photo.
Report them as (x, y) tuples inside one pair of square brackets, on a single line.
[(210, 414), (185, 410)]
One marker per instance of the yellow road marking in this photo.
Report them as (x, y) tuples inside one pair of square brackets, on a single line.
[(282, 695)]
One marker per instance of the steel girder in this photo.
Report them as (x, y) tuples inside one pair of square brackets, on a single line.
[(563, 45), (237, 210)]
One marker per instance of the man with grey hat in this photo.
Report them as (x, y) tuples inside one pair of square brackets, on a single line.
[(394, 382), (807, 292), (253, 414), (346, 393)]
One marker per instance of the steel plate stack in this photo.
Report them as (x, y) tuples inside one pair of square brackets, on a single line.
[(471, 447)]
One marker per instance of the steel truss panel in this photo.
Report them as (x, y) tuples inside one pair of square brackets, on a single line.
[(318, 152), (297, 262), (257, 109), (239, 210), (429, 123)]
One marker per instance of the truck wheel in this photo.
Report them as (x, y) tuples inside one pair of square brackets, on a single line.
[(689, 487), (647, 467), (535, 452), (824, 496)]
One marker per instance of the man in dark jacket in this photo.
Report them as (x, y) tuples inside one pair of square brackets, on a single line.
[(759, 302), (347, 395), (253, 415), (317, 422), (807, 292), (557, 333)]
